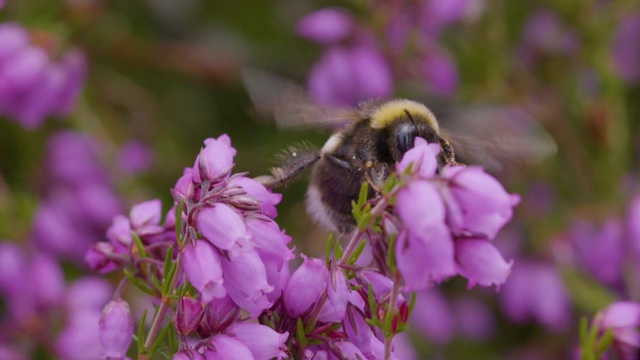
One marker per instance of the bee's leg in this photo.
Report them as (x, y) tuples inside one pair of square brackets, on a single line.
[(376, 175), (447, 152), (293, 162), (338, 161)]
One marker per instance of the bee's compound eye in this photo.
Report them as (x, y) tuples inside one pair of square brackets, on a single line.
[(406, 135)]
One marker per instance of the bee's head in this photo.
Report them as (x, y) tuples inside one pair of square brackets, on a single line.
[(402, 121)]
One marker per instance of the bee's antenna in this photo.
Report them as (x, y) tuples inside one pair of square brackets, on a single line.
[(412, 121)]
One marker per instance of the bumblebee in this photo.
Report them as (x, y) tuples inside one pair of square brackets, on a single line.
[(368, 140)]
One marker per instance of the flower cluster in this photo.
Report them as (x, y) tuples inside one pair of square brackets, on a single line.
[(225, 261), (242, 253), (80, 200), (356, 65), (33, 85), (449, 230), (229, 250), (40, 309)]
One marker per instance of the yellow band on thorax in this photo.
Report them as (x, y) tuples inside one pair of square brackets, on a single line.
[(395, 109)]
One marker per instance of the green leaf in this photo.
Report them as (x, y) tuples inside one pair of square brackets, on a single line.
[(156, 282), (144, 287), (355, 210), (168, 260), (337, 251), (140, 337), (390, 183), (179, 210), (589, 295), (168, 271), (300, 334), (139, 245), (584, 331), (371, 298), (332, 328), (330, 244), (172, 338), (391, 253), (357, 252), (364, 194), (604, 344), (386, 323), (172, 274), (161, 337), (412, 302), (364, 221), (374, 322)]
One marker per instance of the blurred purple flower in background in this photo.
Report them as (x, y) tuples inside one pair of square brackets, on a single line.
[(474, 319), (536, 292), (439, 72), (600, 251), (80, 200), (32, 84), (545, 34), (626, 47), (433, 316), (440, 319), (326, 26), (39, 305), (134, 157), (437, 14), (632, 222), (348, 75)]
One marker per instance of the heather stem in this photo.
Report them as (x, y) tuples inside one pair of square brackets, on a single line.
[(393, 305), (357, 236), (157, 324)]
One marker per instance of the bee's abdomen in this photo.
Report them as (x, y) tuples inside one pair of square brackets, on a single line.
[(330, 195)]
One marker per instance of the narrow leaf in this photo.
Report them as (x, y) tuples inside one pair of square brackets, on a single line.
[(139, 283), (179, 210)]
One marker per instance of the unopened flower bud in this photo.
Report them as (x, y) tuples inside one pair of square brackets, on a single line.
[(184, 188), (305, 287), (116, 329), (218, 315), (215, 160), (202, 265), (188, 315)]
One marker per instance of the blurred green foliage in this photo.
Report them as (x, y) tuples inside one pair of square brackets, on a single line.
[(167, 73)]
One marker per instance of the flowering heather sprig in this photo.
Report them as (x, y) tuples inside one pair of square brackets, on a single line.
[(220, 264), (614, 330), (223, 242), (449, 230), (33, 85)]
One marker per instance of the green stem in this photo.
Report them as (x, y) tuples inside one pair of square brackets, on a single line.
[(157, 324), (393, 304)]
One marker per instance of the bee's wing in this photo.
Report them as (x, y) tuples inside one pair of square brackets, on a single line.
[(497, 137), (290, 105)]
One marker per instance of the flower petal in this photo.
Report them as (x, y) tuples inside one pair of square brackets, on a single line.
[(481, 263)]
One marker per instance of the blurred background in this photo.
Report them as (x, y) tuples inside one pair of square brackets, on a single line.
[(105, 102)]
